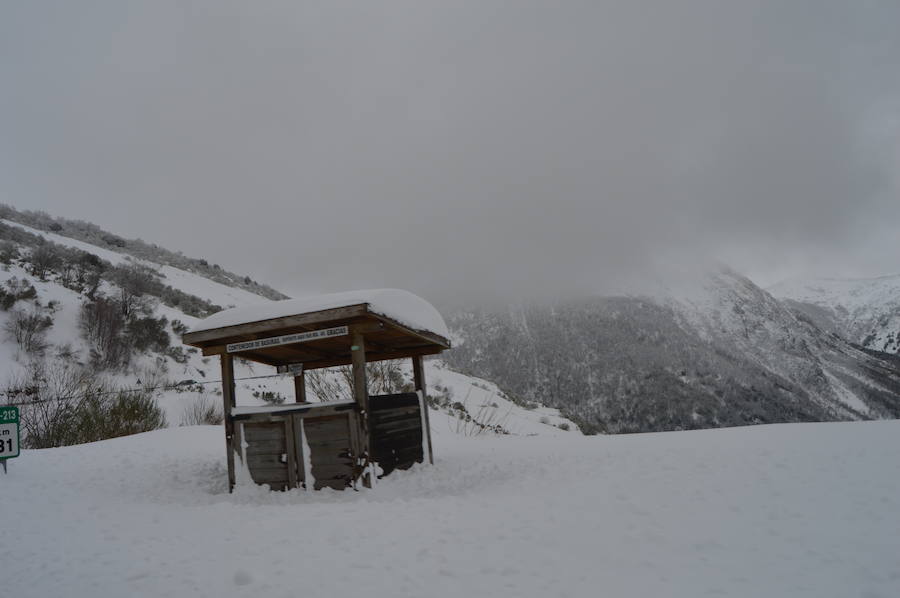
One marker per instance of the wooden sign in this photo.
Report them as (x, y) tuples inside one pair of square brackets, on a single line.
[(294, 369), (288, 339)]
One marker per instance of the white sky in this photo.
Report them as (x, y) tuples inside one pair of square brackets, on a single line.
[(463, 150)]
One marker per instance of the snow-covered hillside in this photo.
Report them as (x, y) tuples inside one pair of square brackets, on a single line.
[(865, 310), (800, 510), (192, 379), (188, 282), (161, 369)]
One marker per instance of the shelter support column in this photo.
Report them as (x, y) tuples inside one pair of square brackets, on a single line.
[(300, 387), (361, 395), (419, 382), (232, 436)]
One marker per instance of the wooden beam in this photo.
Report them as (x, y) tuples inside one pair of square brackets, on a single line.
[(419, 383), (221, 348), (429, 337), (314, 410), (263, 326), (250, 356), (298, 349), (327, 363), (306, 348), (228, 400)]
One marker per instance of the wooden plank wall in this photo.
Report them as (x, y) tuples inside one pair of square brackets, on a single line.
[(397, 436), (329, 447), (267, 454), (396, 428)]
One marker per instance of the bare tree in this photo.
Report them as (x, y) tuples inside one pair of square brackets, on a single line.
[(135, 283), (336, 384), (48, 400), (103, 325), (202, 411), (66, 405), (44, 259), (29, 329)]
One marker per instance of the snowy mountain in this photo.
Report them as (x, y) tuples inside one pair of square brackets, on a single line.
[(719, 353), (76, 317), (865, 311)]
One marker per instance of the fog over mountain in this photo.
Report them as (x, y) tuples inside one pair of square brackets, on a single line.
[(723, 352), (465, 150)]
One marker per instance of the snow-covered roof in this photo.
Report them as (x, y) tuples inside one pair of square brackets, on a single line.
[(401, 306)]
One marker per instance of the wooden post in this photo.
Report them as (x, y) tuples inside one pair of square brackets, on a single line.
[(232, 439), (290, 447), (419, 382), (361, 395), (300, 387)]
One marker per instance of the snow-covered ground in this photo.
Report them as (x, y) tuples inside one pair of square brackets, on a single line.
[(783, 510)]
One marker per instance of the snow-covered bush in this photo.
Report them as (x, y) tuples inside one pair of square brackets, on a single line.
[(103, 325), (65, 405), (336, 384), (113, 413), (44, 259), (148, 334), (29, 329), (16, 290), (202, 411)]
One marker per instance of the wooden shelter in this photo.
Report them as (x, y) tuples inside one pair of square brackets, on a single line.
[(330, 444)]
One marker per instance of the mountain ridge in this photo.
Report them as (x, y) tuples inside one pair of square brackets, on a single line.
[(726, 353)]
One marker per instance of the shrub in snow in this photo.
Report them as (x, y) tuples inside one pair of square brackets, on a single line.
[(179, 327), (177, 354), (135, 283), (336, 384), (202, 411), (148, 334), (44, 259), (269, 396), (111, 414), (16, 290), (103, 326), (67, 405), (9, 251), (29, 329)]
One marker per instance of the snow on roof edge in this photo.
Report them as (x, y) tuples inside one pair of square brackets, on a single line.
[(401, 306)]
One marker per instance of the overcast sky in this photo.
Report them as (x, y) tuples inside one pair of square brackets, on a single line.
[(468, 149)]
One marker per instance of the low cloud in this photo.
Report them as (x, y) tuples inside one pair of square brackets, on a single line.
[(467, 151)]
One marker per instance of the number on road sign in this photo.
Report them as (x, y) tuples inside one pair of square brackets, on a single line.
[(9, 432)]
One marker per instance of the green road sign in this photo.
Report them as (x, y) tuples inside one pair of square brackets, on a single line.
[(9, 432)]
